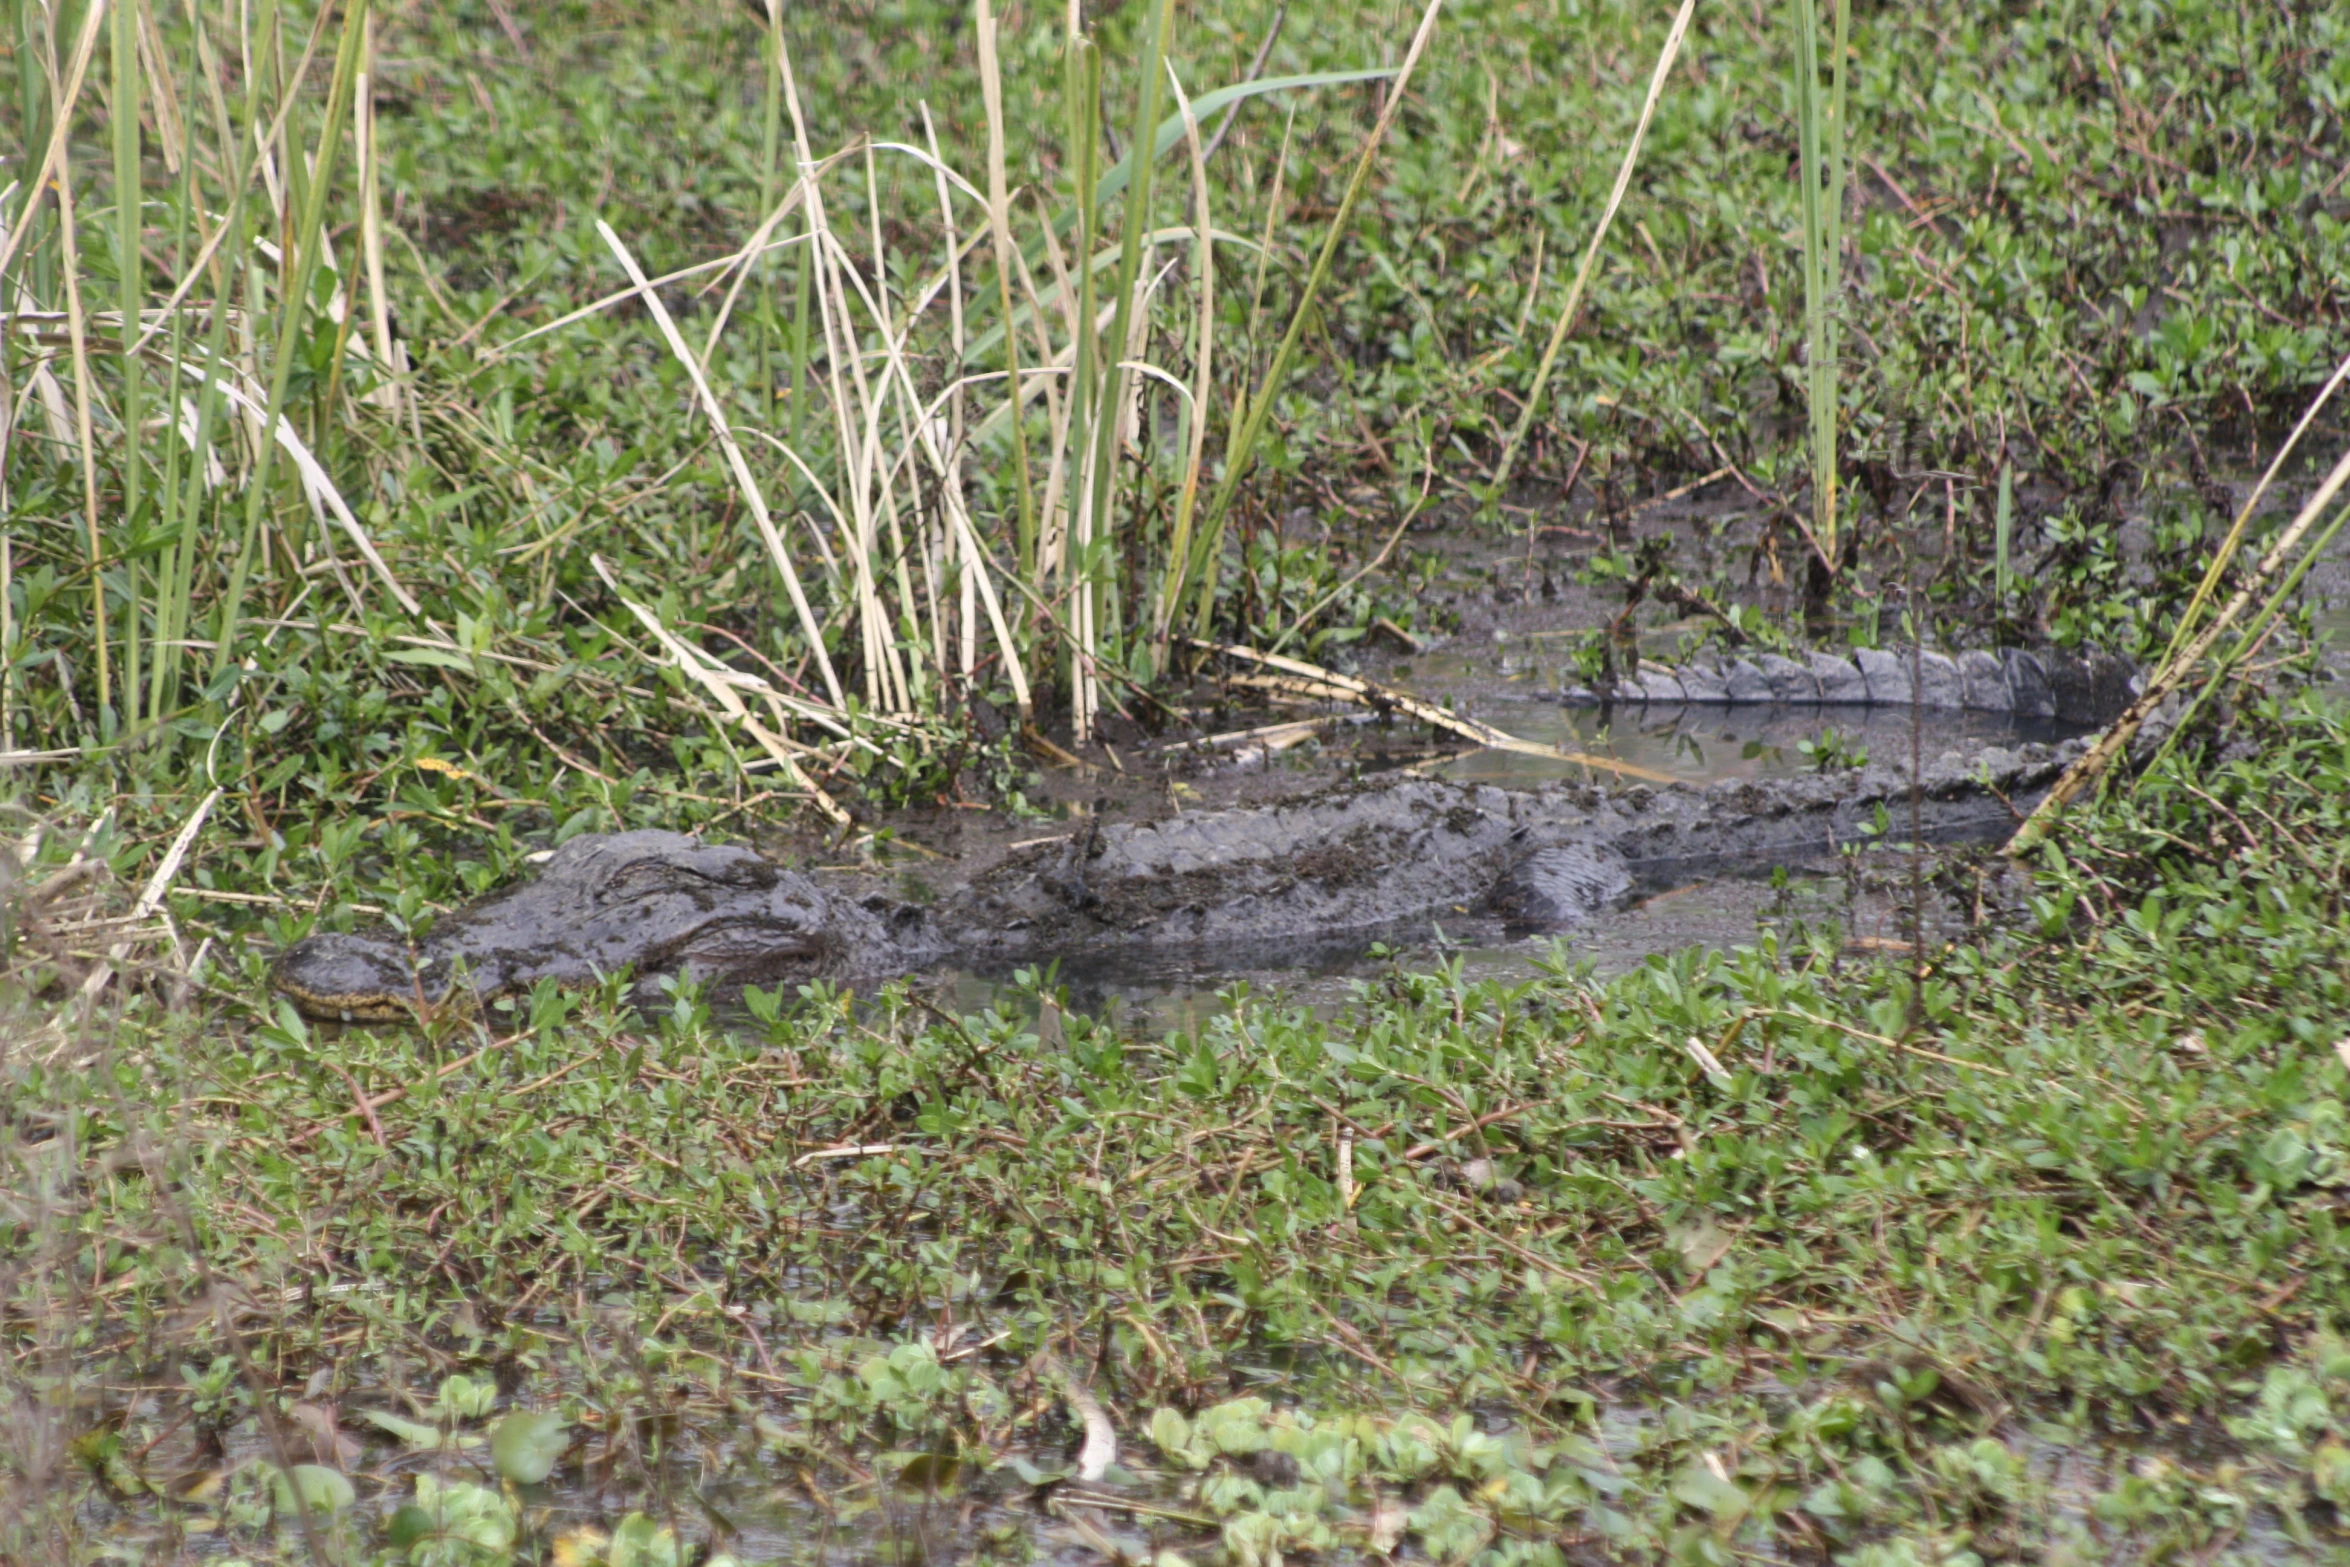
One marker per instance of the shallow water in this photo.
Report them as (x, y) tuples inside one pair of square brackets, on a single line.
[(719, 1483)]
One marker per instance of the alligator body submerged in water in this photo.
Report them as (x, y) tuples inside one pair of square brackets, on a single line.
[(1354, 858), (2072, 688)]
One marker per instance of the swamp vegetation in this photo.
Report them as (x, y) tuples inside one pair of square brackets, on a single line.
[(433, 432)]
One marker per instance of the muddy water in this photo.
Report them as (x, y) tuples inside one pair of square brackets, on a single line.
[(967, 1513), (718, 1483)]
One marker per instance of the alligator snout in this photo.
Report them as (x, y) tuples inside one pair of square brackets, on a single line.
[(645, 902)]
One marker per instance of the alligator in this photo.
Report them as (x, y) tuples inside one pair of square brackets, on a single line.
[(652, 903), (2073, 688), (1350, 860)]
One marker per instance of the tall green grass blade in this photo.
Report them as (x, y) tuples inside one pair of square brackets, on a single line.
[(1821, 136), (2003, 538), (130, 271), (183, 457), (55, 105), (1241, 448), (1196, 409), (1112, 401), (999, 221), (1574, 301), (1084, 87), (770, 150), (1170, 129), (297, 270)]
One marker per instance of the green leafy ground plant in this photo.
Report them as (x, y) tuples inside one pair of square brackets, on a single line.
[(1737, 1252)]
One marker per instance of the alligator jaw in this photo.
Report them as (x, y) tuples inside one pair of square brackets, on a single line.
[(335, 977)]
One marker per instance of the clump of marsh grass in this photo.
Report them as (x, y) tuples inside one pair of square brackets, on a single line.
[(202, 405), (1076, 573), (219, 397)]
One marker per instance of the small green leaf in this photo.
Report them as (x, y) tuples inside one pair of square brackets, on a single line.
[(468, 1398), (314, 1487), (525, 1445), (639, 1542), (1172, 1433), (1237, 1428), (462, 1511), (432, 657), (409, 1525), (1700, 1487)]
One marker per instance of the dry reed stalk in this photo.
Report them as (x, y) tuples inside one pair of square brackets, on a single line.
[(964, 532), (1315, 682), (388, 354), (753, 497), (967, 605), (150, 901), (722, 684), (318, 487)]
